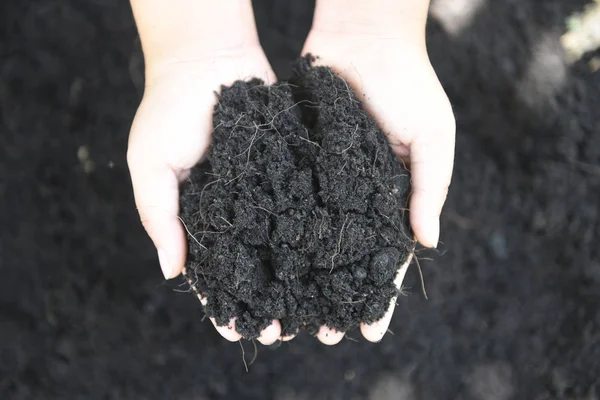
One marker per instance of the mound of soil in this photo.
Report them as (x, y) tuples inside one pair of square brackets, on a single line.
[(299, 213)]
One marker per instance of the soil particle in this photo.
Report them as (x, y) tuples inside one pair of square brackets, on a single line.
[(298, 213)]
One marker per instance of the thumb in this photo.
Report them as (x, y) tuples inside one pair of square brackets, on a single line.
[(156, 192), (431, 161)]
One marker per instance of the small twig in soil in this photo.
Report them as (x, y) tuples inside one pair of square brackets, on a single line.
[(351, 141), (374, 161), (309, 141), (243, 354), (387, 240), (333, 82), (218, 126), (236, 178), (202, 194), (189, 233), (403, 163), (422, 279), (253, 104), (237, 277), (275, 86), (188, 290), (283, 111), (321, 228), (211, 232), (396, 226), (255, 352), (336, 100), (353, 302), (192, 284), (403, 290), (348, 90), (339, 244), (229, 223), (343, 166), (242, 115), (251, 143), (262, 208)]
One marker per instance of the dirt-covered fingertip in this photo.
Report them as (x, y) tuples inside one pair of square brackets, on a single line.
[(228, 331), (270, 334), (376, 331), (402, 271), (329, 336), (193, 286), (287, 338)]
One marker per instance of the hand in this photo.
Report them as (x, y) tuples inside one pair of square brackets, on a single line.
[(394, 78), (169, 135)]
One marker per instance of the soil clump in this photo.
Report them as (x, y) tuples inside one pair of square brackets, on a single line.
[(299, 213)]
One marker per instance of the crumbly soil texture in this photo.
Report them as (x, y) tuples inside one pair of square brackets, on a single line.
[(299, 213)]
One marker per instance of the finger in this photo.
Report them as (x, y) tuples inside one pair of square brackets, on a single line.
[(402, 272), (431, 162), (287, 338), (156, 192), (203, 300), (374, 332), (228, 331), (194, 287), (329, 336), (270, 334)]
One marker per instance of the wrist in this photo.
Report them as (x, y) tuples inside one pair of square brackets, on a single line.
[(192, 31), (391, 19)]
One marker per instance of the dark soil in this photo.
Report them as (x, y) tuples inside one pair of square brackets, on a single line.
[(300, 214), (513, 309)]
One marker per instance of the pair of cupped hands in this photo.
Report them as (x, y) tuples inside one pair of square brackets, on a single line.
[(392, 75)]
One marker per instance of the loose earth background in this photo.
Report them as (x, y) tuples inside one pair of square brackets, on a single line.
[(513, 309)]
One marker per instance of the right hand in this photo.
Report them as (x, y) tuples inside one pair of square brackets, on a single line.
[(391, 73)]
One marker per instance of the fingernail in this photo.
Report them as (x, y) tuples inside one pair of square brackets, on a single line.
[(165, 266)]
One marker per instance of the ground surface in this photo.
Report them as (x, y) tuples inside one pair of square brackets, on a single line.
[(513, 309)]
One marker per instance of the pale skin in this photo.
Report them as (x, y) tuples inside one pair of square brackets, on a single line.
[(192, 47)]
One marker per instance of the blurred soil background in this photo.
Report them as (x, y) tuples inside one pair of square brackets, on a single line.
[(514, 293)]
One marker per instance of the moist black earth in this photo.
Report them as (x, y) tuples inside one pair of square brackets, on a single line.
[(513, 292), (299, 213)]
